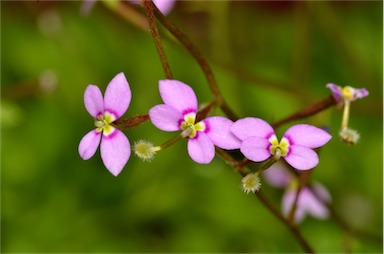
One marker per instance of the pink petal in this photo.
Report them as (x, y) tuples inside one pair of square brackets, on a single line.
[(336, 91), (88, 144), (165, 6), (93, 100), (255, 149), (178, 95), (278, 175), (301, 158), (312, 205), (321, 192), (115, 151), (219, 131), (251, 127), (165, 117), (307, 135), (118, 95), (201, 149), (287, 203), (360, 93)]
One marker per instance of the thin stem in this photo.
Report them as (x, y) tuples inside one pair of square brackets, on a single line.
[(294, 230), (148, 6), (344, 122), (308, 111), (292, 227), (173, 140), (211, 80), (131, 122)]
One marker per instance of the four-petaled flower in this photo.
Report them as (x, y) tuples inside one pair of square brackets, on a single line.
[(179, 113), (311, 200), (347, 93), (259, 142), (114, 148)]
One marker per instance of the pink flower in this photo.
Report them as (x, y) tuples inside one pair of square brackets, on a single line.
[(115, 149), (347, 93), (178, 113), (259, 142), (310, 200)]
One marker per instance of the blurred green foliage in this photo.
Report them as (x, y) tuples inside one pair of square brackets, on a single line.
[(270, 59)]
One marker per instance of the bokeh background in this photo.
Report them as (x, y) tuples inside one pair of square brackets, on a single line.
[(270, 59)]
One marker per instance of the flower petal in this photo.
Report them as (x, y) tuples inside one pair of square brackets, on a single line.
[(201, 148), (165, 6), (88, 144), (115, 151), (307, 135), (278, 175), (178, 95), (251, 127), (93, 101), (301, 158), (118, 95), (256, 148), (312, 205), (219, 131), (165, 117), (336, 91), (288, 201), (321, 192), (360, 93)]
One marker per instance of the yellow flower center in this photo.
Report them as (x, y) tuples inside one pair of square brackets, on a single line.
[(103, 123), (278, 149), (347, 93), (189, 122)]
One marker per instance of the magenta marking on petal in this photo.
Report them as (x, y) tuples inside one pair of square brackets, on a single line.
[(99, 114), (207, 126), (196, 136), (269, 135), (187, 111), (290, 141), (112, 112), (111, 135)]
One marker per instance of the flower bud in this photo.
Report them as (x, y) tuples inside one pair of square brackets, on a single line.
[(349, 136), (145, 150), (251, 183)]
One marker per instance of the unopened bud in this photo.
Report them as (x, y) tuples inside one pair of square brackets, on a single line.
[(251, 183), (145, 150), (349, 136)]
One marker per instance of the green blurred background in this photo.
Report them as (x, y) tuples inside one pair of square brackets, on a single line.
[(270, 59)]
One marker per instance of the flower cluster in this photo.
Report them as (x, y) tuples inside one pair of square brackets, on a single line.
[(254, 137)]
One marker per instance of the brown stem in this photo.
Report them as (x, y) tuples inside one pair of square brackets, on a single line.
[(148, 6), (183, 39), (294, 230), (131, 122), (292, 227), (308, 111)]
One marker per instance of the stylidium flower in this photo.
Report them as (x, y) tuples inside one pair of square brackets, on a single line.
[(308, 202), (347, 93), (259, 142), (115, 149), (178, 113), (311, 200)]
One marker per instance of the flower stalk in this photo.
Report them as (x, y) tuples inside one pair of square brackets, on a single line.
[(149, 6)]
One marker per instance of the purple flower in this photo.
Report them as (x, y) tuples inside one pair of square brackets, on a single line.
[(347, 93), (311, 200), (308, 202), (179, 113), (259, 142), (114, 147)]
